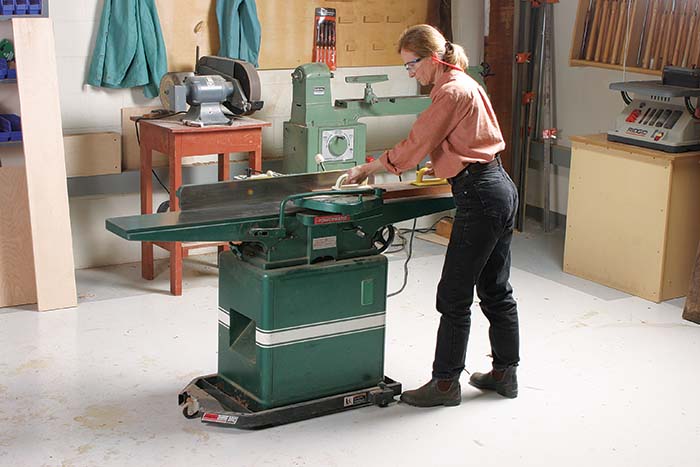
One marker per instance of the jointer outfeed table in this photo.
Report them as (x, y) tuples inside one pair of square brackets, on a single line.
[(302, 291)]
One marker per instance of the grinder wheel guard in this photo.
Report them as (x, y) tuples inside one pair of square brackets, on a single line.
[(242, 71)]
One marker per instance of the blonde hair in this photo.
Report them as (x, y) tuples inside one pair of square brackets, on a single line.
[(424, 40)]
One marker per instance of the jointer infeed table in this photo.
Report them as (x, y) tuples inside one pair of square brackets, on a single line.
[(302, 291)]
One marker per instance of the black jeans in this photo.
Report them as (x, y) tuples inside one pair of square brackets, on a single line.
[(478, 255)]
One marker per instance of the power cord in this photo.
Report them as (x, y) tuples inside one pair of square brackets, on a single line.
[(157, 116)]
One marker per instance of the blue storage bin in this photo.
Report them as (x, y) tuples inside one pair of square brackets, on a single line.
[(15, 126), (7, 7), (21, 7), (3, 68), (5, 129), (12, 73), (34, 7)]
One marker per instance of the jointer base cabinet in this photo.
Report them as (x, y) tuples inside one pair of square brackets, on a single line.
[(293, 334)]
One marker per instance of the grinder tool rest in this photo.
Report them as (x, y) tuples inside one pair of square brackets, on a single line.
[(302, 292)]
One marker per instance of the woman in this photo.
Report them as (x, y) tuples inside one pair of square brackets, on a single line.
[(461, 134)]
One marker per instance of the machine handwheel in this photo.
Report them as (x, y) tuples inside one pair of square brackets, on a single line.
[(383, 238)]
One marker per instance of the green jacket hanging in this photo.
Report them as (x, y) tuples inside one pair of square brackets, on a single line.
[(129, 50), (239, 30)]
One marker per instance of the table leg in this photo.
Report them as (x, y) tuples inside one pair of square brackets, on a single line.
[(224, 174), (176, 247), (146, 208), (255, 157)]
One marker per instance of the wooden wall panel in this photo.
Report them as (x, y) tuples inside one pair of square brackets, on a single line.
[(499, 53), (368, 30)]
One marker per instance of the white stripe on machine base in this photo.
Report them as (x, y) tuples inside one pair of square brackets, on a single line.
[(319, 331), (224, 318)]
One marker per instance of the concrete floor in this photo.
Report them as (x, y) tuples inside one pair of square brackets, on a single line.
[(606, 379)]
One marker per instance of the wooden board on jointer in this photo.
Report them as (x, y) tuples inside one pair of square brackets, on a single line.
[(367, 30), (44, 157), (17, 286)]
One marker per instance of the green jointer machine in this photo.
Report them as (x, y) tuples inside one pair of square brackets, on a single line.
[(324, 136), (302, 291)]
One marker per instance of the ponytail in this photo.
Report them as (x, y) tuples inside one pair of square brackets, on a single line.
[(454, 55)]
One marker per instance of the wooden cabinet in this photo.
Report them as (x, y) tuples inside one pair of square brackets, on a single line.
[(35, 231), (633, 217)]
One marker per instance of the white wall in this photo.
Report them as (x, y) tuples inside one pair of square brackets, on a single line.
[(86, 109)]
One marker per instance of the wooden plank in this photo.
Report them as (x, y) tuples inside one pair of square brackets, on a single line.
[(612, 28), (17, 285), (691, 311), (499, 52), (593, 35), (93, 154), (603, 31), (619, 28), (45, 163), (651, 31), (584, 19)]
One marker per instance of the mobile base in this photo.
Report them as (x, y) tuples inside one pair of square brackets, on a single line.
[(214, 400)]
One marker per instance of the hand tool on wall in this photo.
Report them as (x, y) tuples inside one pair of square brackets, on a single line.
[(602, 32), (587, 24), (619, 30), (325, 37), (593, 36), (610, 33), (283, 355), (649, 45)]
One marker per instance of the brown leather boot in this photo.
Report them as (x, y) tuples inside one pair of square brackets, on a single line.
[(504, 382), (434, 392)]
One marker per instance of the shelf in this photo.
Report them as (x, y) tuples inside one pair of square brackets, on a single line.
[(10, 143), (8, 81)]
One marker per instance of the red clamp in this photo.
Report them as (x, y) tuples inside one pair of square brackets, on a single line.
[(528, 97), (369, 159), (549, 133), (523, 57)]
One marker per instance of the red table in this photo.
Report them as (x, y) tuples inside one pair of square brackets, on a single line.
[(176, 140)]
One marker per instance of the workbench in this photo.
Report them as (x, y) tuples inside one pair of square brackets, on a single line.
[(176, 141), (633, 217)]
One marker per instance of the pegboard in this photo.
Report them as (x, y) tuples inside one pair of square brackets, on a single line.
[(368, 30)]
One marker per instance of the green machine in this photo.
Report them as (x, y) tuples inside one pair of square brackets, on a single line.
[(302, 291), (332, 131)]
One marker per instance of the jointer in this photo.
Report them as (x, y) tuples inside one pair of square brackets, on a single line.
[(302, 291)]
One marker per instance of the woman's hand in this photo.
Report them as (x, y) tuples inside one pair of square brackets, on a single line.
[(358, 174), (429, 166)]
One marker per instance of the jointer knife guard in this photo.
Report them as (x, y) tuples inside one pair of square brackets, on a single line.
[(302, 292)]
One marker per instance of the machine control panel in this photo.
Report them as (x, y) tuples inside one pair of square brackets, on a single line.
[(664, 125), (337, 145)]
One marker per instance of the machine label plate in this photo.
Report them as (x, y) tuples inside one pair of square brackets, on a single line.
[(319, 90), (324, 243), (330, 219), (220, 418), (355, 399)]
